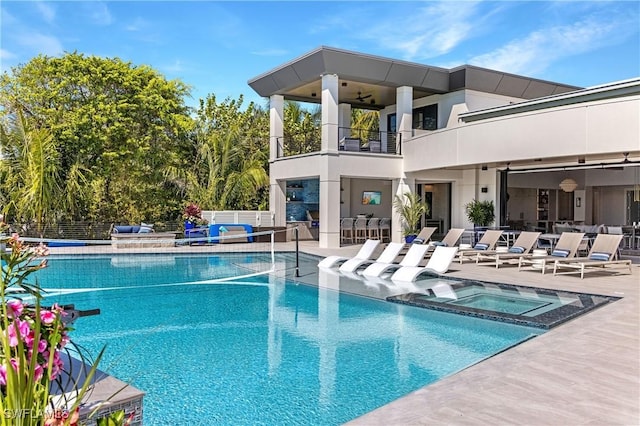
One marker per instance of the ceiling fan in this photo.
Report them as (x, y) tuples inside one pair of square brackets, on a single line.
[(361, 98)]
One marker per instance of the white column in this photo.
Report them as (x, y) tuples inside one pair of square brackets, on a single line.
[(277, 199), (329, 112), (404, 111), (329, 202), (276, 124), (329, 168)]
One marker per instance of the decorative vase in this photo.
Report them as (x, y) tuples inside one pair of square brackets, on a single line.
[(189, 225), (409, 238)]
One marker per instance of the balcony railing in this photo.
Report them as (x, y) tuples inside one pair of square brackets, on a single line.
[(349, 139)]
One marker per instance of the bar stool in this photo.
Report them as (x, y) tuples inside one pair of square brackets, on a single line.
[(360, 229), (373, 232), (346, 230), (385, 229)]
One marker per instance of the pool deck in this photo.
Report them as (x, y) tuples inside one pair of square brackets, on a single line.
[(586, 371)]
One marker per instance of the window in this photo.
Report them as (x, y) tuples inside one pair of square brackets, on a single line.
[(426, 118)]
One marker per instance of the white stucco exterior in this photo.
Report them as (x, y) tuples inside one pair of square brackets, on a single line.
[(479, 133)]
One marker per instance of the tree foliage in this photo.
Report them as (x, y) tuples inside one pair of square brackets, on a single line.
[(230, 162), (116, 129)]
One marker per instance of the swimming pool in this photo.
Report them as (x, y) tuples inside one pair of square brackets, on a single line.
[(262, 351)]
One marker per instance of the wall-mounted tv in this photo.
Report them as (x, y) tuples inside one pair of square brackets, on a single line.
[(371, 198)]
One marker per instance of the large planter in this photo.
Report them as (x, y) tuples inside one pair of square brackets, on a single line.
[(189, 225), (409, 238)]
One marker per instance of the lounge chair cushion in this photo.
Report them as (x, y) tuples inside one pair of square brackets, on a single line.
[(560, 253), (481, 246), (516, 249), (600, 256)]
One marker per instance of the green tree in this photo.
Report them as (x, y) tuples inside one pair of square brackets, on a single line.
[(230, 159), (116, 128), (30, 172)]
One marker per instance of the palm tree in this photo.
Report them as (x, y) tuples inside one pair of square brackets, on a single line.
[(225, 176), (30, 170)]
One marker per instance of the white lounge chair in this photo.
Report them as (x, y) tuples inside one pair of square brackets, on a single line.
[(413, 258), (521, 246), (365, 252), (487, 243), (438, 264), (566, 247), (602, 254), (391, 251)]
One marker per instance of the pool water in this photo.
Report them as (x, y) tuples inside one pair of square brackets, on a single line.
[(262, 351), (505, 304)]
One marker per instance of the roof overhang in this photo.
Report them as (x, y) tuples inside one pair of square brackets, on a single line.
[(375, 79)]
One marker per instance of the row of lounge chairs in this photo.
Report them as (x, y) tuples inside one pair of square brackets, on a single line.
[(602, 254), (408, 269)]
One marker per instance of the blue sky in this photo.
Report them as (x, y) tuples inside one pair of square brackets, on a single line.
[(216, 47)]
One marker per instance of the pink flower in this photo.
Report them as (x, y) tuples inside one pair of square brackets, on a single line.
[(47, 317), (14, 308), (41, 250), (38, 372), (42, 345), (3, 375), (23, 328)]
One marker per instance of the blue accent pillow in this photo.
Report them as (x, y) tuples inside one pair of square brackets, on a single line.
[(439, 243), (560, 253), (223, 229), (481, 246), (516, 249), (418, 241), (122, 228), (599, 256), (145, 230)]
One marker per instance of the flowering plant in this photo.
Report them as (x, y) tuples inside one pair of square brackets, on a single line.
[(31, 341), (193, 213)]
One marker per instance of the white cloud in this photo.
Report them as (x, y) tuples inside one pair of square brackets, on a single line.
[(46, 10), (5, 54), (429, 31), (137, 25), (536, 52), (176, 67), (40, 43), (99, 13)]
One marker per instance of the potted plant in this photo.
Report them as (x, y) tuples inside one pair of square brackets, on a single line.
[(410, 208), (480, 213), (193, 216)]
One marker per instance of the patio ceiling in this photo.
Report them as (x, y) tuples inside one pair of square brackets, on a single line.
[(368, 81)]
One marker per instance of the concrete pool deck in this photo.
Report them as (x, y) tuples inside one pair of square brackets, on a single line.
[(586, 371)]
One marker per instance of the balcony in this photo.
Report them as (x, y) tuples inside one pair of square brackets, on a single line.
[(349, 140)]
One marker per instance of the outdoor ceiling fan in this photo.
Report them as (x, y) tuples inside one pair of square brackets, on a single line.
[(361, 98)]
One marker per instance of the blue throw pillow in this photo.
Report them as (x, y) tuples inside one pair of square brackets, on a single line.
[(418, 241), (439, 243), (122, 228), (481, 246), (560, 253), (600, 256), (516, 249), (223, 229)]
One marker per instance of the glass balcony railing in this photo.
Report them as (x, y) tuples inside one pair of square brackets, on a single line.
[(349, 139)]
